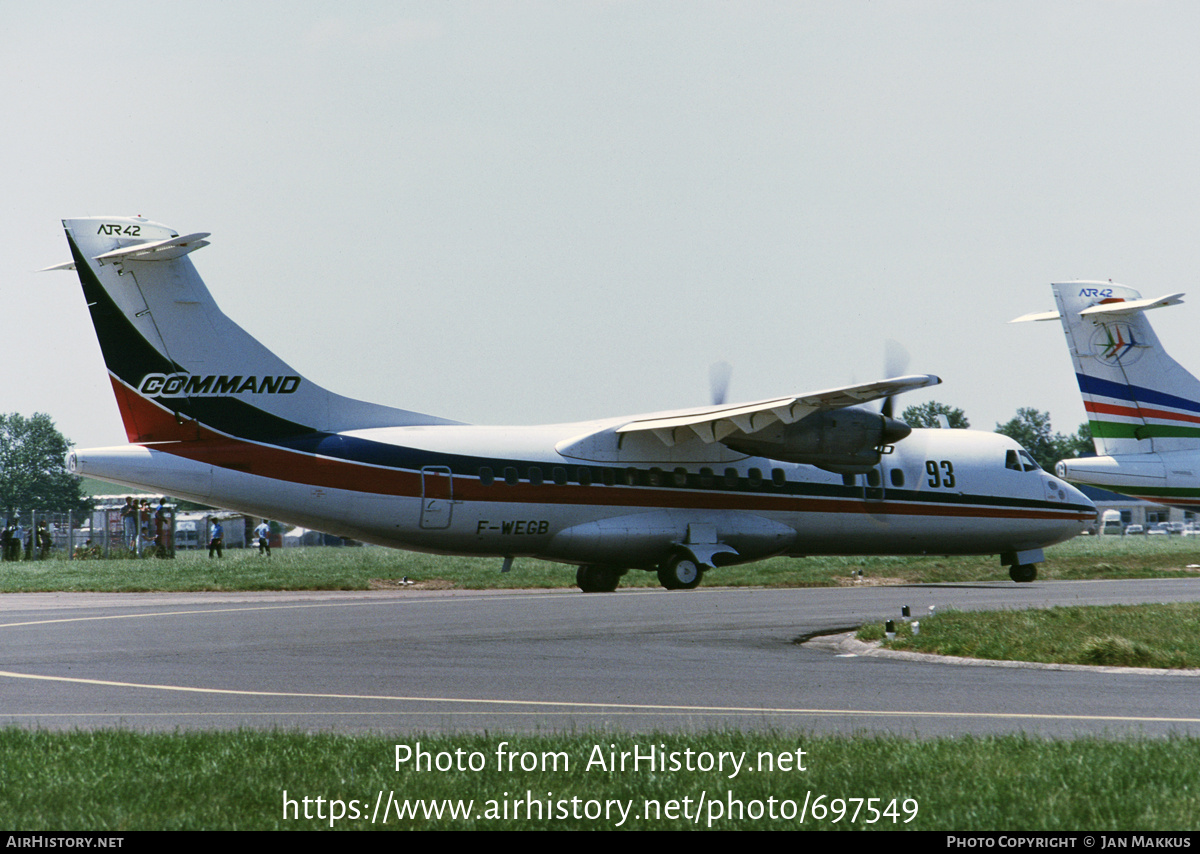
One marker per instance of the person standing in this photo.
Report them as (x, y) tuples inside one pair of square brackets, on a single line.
[(217, 543), (263, 533), (160, 529), (45, 540), (129, 522), (143, 526)]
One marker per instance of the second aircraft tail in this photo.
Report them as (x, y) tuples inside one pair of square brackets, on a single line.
[(1138, 399)]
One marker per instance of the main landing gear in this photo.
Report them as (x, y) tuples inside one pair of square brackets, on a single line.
[(1023, 572), (598, 579), (677, 573)]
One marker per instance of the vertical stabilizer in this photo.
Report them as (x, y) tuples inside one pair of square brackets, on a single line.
[(1138, 399), (178, 365)]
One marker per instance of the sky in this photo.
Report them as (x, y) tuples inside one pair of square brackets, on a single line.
[(532, 212)]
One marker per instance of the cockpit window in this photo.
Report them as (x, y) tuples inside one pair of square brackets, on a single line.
[(1020, 460)]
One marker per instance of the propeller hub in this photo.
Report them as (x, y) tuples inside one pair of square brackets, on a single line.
[(894, 430)]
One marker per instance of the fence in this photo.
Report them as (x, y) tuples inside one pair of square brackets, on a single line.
[(39, 535)]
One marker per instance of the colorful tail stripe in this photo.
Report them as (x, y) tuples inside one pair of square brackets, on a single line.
[(1142, 406)]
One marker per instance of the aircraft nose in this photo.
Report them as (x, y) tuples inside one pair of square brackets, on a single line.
[(1074, 496)]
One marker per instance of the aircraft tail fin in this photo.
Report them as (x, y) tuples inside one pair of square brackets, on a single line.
[(177, 364), (1138, 399)]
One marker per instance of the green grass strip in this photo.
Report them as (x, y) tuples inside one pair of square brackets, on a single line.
[(120, 781), (1161, 636)]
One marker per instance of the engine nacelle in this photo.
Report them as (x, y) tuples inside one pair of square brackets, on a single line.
[(846, 441)]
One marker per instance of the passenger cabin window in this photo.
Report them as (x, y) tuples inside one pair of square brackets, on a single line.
[(559, 474), (778, 477), (849, 479), (584, 476), (679, 476), (731, 478), (486, 477), (897, 477), (706, 478), (535, 475), (756, 478), (873, 477), (510, 475)]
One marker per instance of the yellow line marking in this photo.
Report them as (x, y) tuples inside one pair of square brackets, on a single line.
[(561, 704)]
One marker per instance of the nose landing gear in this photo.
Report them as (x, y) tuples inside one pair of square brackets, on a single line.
[(680, 573)]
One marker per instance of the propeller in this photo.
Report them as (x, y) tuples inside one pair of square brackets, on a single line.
[(895, 363), (718, 381)]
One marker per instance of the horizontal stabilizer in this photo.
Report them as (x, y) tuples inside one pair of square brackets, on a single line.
[(1038, 315), (1130, 306), (159, 250), (1114, 308)]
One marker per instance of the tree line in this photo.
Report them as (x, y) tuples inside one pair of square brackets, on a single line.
[(33, 468), (1030, 428)]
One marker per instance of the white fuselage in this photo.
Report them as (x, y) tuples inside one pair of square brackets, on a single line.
[(531, 491)]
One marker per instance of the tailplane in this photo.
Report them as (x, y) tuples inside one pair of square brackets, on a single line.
[(179, 367), (1138, 399)]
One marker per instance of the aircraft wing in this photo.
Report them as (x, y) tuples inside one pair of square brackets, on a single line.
[(718, 422)]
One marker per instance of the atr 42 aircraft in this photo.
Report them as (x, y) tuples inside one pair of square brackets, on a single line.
[(215, 417), (1143, 407)]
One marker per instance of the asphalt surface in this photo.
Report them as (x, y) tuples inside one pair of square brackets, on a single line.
[(634, 660)]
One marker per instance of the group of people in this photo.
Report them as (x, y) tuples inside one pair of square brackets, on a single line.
[(136, 520), (14, 534)]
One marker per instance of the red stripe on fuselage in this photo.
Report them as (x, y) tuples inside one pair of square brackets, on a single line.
[(227, 452)]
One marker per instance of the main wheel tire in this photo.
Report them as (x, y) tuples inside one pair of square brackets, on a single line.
[(680, 573), (598, 579), (1022, 573)]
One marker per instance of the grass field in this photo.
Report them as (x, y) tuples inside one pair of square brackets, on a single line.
[(362, 568), (119, 781)]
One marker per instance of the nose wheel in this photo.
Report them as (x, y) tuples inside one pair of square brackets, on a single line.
[(680, 573)]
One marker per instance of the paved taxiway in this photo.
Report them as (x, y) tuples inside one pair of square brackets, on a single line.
[(551, 661)]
